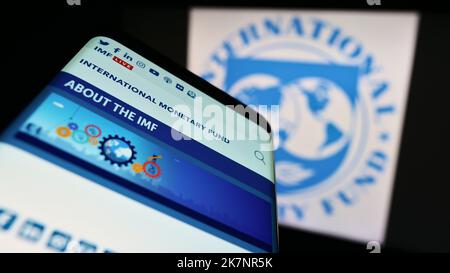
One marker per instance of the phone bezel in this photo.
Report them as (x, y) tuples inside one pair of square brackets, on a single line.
[(79, 39)]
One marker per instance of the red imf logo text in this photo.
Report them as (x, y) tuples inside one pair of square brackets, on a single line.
[(122, 62)]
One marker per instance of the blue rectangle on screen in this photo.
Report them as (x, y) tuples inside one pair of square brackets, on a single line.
[(101, 143)]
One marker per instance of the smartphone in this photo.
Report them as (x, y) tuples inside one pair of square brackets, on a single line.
[(124, 151)]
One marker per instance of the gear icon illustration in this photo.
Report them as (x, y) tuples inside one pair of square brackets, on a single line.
[(117, 150)]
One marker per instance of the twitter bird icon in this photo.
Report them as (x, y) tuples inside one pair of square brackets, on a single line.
[(103, 43)]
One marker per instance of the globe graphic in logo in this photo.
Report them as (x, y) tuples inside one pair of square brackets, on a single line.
[(117, 150), (315, 128)]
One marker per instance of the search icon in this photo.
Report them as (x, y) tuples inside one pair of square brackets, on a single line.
[(259, 155)]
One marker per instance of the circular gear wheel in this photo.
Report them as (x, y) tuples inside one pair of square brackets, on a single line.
[(123, 158)]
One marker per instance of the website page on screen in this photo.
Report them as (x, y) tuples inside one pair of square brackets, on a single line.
[(114, 155)]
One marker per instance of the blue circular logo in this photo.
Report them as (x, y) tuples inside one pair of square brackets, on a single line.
[(317, 111), (323, 120)]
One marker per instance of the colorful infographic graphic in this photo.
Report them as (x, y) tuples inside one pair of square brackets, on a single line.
[(74, 128), (86, 133)]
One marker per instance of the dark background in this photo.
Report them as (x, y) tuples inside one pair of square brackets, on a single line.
[(35, 36)]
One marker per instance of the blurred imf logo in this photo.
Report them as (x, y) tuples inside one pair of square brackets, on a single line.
[(73, 2), (374, 2), (330, 97)]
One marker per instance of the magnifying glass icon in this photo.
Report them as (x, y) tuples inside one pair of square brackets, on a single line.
[(259, 155)]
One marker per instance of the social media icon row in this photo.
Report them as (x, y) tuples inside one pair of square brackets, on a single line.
[(126, 55), (33, 231), (152, 71), (178, 86)]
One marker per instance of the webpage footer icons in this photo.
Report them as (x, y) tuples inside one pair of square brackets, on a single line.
[(33, 231), (59, 241)]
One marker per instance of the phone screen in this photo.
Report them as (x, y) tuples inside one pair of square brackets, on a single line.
[(117, 154)]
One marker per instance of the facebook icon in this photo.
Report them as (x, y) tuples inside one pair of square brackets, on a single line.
[(7, 219)]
